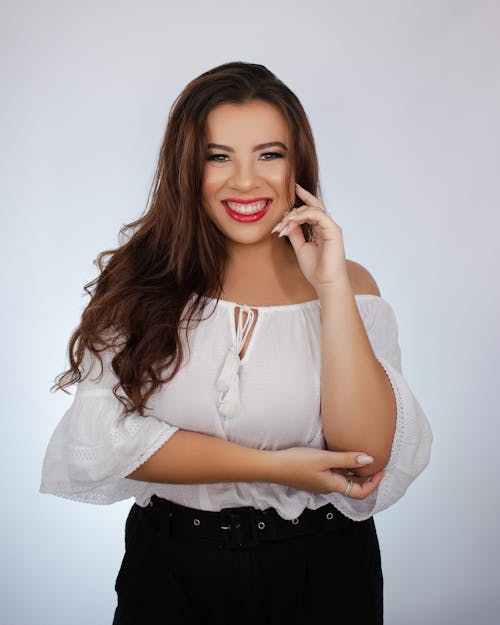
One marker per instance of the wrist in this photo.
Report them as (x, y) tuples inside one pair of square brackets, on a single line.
[(261, 465), (267, 466), (337, 289), (276, 467)]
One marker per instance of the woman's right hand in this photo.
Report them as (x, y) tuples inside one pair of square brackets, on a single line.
[(321, 471)]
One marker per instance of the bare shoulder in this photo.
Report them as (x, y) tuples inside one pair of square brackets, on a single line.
[(362, 282)]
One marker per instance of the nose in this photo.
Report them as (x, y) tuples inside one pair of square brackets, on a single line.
[(244, 176)]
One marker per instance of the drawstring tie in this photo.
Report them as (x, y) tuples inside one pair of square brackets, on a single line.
[(228, 382)]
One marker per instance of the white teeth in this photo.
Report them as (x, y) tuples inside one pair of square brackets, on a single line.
[(247, 209)]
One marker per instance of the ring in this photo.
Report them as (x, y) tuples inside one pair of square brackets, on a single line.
[(348, 489)]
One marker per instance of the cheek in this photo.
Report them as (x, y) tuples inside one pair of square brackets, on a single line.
[(211, 182), (278, 179)]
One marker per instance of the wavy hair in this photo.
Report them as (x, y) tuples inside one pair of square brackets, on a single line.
[(173, 255)]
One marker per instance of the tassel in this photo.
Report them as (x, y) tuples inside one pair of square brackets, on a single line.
[(228, 382), (228, 385)]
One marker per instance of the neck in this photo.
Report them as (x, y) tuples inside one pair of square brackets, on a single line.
[(267, 257), (262, 271)]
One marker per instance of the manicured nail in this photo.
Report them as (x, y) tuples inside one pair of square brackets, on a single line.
[(364, 459), (276, 227), (298, 185)]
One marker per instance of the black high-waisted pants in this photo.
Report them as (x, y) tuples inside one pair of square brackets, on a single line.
[(330, 577)]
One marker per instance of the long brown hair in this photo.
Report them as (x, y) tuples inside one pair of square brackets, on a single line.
[(173, 254)]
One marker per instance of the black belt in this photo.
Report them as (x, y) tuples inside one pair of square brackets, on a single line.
[(243, 526)]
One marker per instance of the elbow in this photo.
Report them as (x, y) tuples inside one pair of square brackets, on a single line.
[(371, 469), (381, 457)]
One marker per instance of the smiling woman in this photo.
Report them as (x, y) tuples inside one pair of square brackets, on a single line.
[(258, 441), (245, 167)]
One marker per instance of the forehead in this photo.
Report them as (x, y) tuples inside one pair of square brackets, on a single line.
[(252, 122)]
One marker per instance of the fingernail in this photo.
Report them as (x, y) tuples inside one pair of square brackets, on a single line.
[(276, 227), (364, 459), (298, 185)]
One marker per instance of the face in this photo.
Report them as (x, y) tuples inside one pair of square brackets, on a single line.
[(244, 179)]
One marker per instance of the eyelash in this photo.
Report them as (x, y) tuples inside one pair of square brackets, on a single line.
[(214, 157)]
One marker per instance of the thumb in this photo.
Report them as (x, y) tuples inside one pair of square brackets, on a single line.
[(349, 459)]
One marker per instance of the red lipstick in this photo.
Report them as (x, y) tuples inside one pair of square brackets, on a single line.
[(247, 218)]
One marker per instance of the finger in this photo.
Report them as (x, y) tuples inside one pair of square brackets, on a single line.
[(282, 223), (308, 197), (295, 236), (350, 473), (360, 491), (347, 459), (368, 482), (311, 214), (288, 228), (305, 214)]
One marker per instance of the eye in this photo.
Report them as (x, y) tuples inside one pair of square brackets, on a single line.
[(270, 156), (220, 158)]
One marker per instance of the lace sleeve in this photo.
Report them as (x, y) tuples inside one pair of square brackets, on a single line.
[(94, 446), (412, 442)]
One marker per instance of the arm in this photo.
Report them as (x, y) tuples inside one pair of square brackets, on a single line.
[(94, 449), (412, 440), (358, 405), (194, 458)]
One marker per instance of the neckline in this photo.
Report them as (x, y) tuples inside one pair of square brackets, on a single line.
[(308, 303)]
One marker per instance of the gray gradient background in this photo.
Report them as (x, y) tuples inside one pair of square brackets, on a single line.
[(403, 98)]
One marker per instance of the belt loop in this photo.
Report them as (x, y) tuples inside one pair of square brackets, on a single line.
[(162, 512)]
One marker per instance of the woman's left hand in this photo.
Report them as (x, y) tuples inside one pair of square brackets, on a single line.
[(322, 261)]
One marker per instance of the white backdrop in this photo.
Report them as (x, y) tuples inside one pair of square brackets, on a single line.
[(403, 98)]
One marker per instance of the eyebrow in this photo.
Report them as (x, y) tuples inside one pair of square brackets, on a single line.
[(261, 146)]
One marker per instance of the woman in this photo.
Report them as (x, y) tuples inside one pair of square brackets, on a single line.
[(248, 392)]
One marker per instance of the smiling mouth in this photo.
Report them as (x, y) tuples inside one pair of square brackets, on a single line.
[(247, 209)]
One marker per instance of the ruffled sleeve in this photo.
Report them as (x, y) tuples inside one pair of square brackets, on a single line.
[(412, 442), (95, 446)]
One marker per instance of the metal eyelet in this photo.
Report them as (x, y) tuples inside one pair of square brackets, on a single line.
[(329, 515), (196, 522), (295, 521), (261, 525)]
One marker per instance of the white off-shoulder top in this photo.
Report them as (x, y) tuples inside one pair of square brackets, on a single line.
[(269, 399)]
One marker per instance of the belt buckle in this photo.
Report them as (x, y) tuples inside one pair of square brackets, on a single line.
[(238, 525)]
